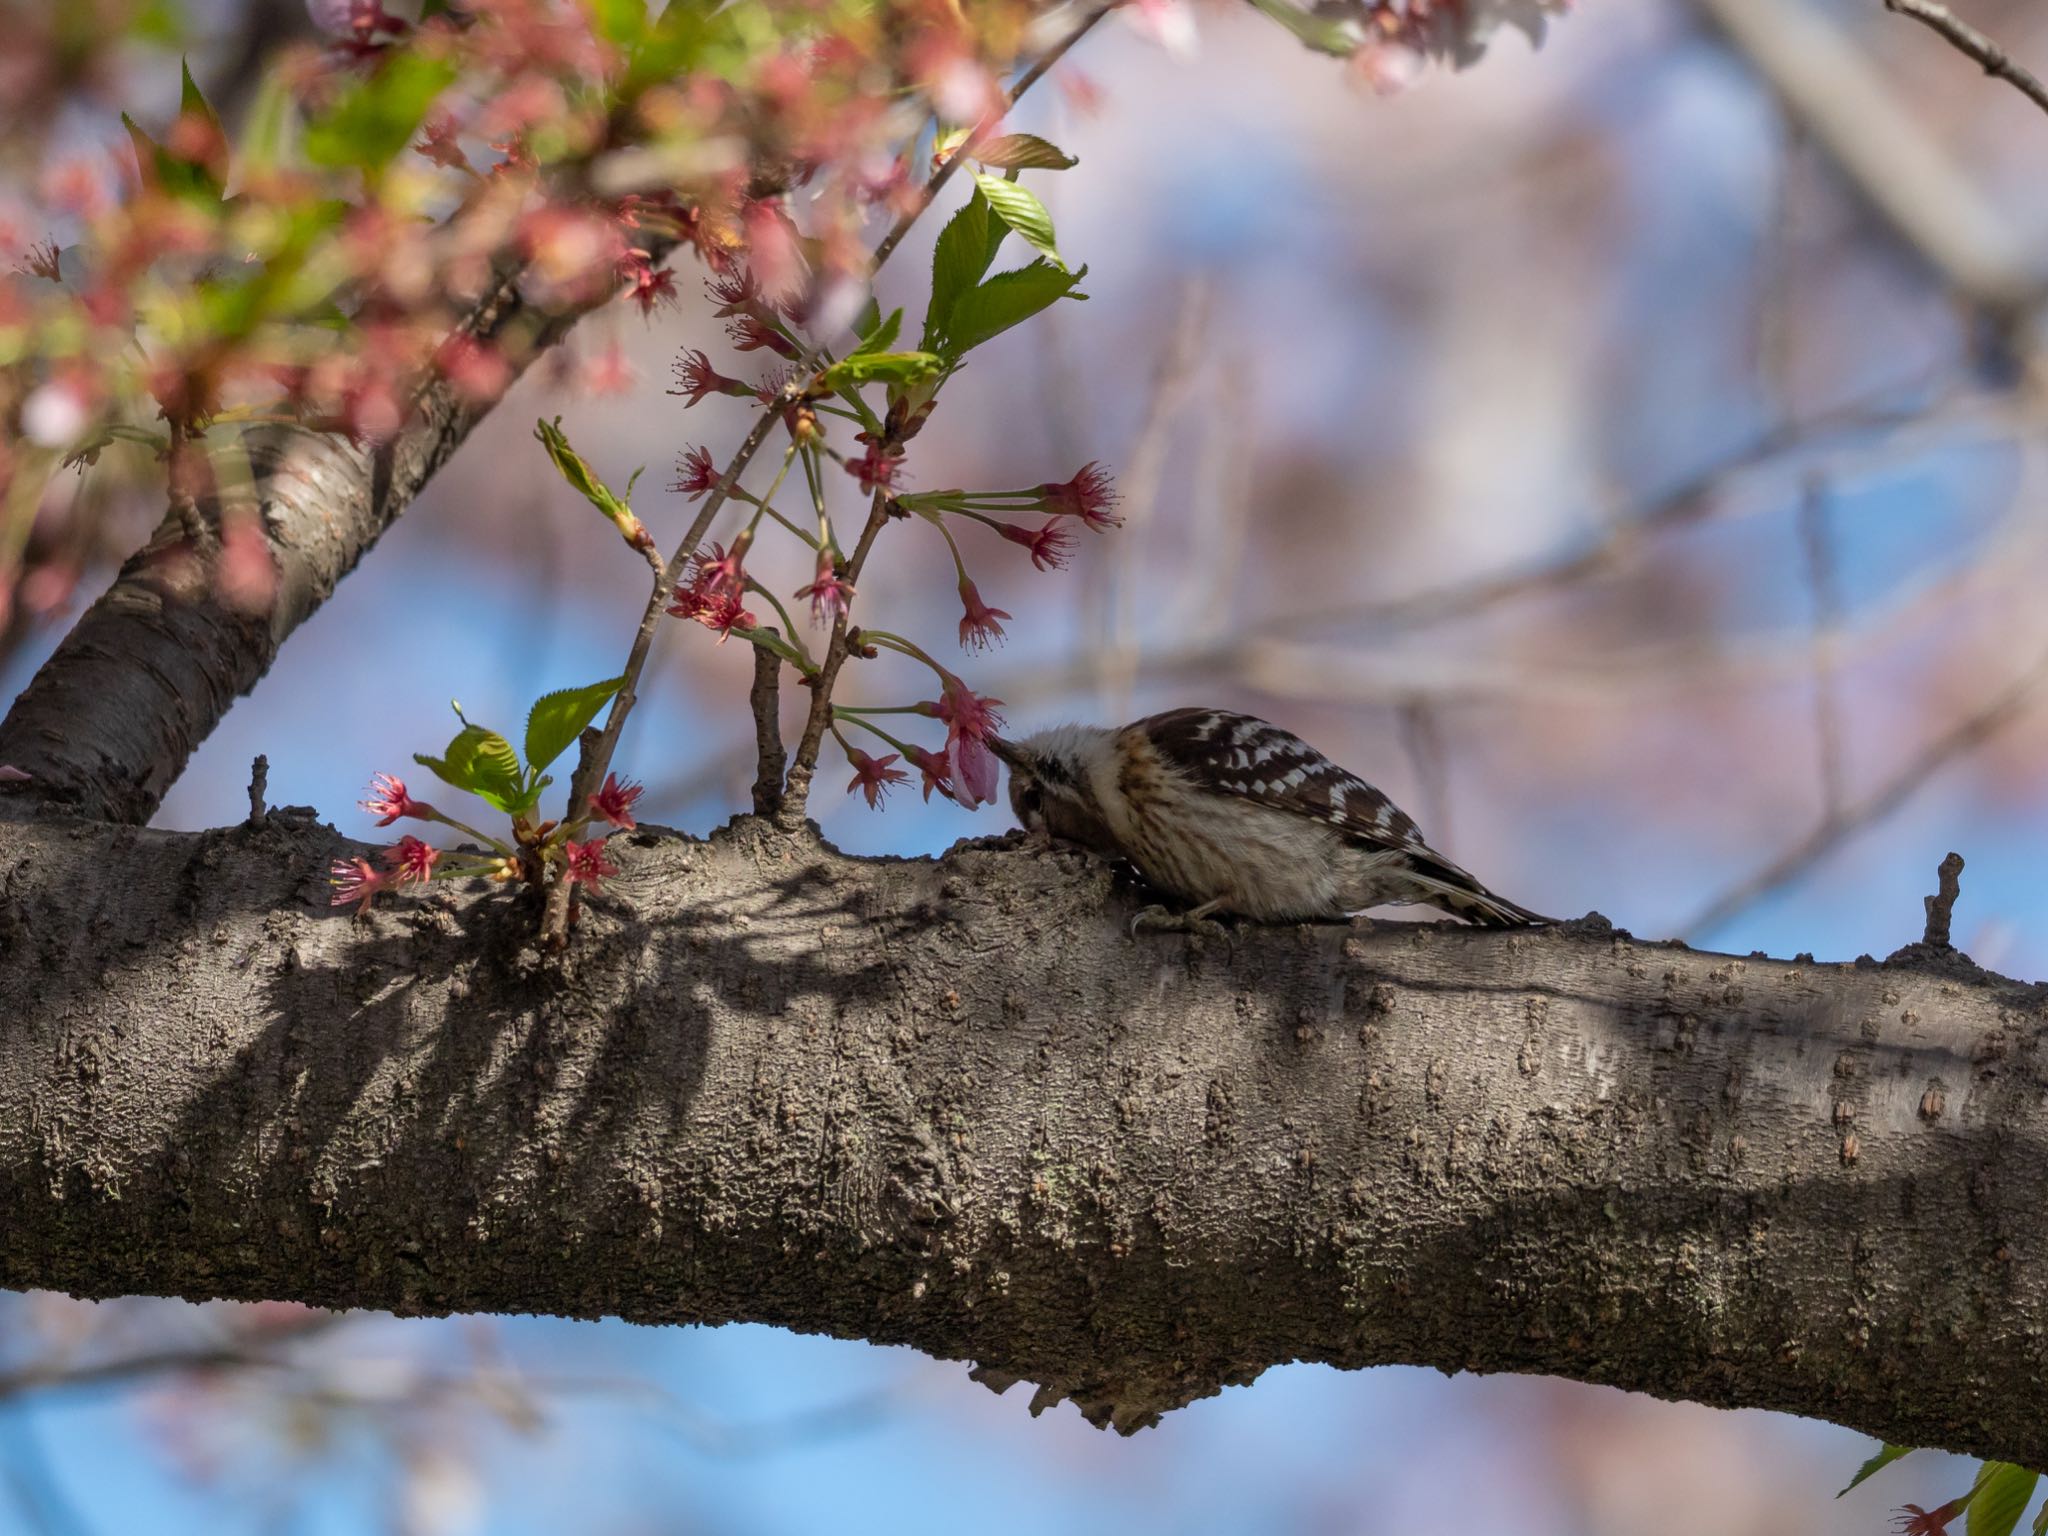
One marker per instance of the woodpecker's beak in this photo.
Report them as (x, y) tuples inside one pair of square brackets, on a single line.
[(1009, 753)]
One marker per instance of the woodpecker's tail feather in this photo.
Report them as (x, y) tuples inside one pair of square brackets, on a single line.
[(1451, 890)]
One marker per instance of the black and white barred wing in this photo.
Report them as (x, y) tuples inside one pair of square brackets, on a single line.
[(1237, 754), (1241, 755)]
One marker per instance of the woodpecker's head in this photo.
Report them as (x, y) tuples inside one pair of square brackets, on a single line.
[(1057, 778)]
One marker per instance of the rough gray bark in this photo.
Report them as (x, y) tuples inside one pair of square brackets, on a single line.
[(950, 1104)]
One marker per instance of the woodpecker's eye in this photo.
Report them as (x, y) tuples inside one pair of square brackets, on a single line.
[(1030, 802)]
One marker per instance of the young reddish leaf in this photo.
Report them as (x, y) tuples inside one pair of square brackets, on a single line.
[(1024, 152), (187, 180)]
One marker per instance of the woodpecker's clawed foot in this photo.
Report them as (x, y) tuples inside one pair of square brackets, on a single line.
[(1161, 919)]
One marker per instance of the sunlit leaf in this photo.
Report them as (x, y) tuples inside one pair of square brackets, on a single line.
[(267, 125), (2000, 1497), (892, 367), (1022, 211), (881, 334), (959, 259), (581, 476), (557, 719), (1007, 299), (1883, 1457), (1318, 32), (482, 762)]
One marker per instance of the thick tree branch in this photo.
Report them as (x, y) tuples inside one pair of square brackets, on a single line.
[(949, 1104)]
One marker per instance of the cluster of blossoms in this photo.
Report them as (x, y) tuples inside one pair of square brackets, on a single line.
[(716, 585), (316, 267), (535, 847)]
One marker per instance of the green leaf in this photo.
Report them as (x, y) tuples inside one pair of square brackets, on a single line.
[(621, 22), (482, 762), (895, 367), (1024, 152), (2041, 1522), (266, 127), (1007, 299), (1883, 1457), (1317, 32), (375, 120), (2001, 1496), (673, 45), (869, 317), (187, 180), (557, 719), (192, 103), (1021, 210), (581, 476), (880, 335), (959, 259)]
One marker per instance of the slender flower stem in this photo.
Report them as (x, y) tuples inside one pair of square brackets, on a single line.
[(866, 725), (765, 505), (806, 535), (754, 501), (463, 826), (904, 647), (796, 642), (952, 546), (597, 761), (805, 760), (982, 131), (817, 483)]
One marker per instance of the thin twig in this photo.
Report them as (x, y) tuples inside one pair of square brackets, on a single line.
[(797, 792), (1941, 907), (1817, 543), (982, 130), (1826, 81), (1974, 45), (259, 784), (591, 770), (770, 759), (2007, 706), (120, 1370)]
